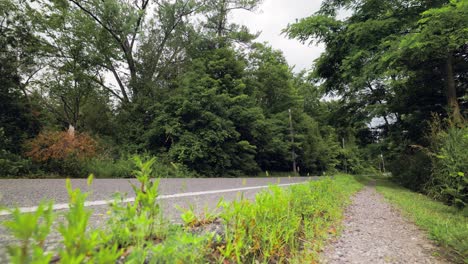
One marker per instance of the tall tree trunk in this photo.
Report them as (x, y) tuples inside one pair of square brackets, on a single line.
[(451, 93)]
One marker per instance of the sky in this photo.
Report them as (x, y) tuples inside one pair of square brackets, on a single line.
[(271, 17)]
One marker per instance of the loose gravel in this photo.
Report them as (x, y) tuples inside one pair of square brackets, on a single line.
[(374, 232)]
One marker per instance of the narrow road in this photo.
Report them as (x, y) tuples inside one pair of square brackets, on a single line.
[(201, 193), (376, 233)]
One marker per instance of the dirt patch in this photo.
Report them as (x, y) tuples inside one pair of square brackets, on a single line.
[(374, 232)]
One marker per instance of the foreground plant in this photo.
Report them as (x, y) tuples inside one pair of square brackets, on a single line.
[(191, 219), (31, 229), (285, 225), (81, 245), (139, 222)]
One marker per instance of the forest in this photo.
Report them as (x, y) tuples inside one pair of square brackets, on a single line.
[(86, 84)]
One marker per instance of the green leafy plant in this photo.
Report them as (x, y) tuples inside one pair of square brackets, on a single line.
[(81, 245), (192, 219), (139, 222), (103, 167), (284, 224), (31, 229), (182, 247), (449, 181)]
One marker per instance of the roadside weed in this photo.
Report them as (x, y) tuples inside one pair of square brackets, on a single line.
[(140, 222), (192, 219), (188, 216), (31, 229), (81, 245), (77, 243), (182, 247), (284, 225)]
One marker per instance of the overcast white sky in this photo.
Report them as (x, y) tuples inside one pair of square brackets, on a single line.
[(272, 17)]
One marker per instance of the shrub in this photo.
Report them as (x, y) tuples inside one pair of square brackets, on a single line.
[(60, 145), (449, 181), (62, 152), (173, 170), (109, 168), (13, 165), (441, 169), (411, 169), (103, 167)]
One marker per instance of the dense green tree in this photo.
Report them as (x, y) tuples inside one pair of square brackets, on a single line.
[(18, 53), (271, 80), (402, 62), (210, 123), (124, 40), (439, 38), (369, 61)]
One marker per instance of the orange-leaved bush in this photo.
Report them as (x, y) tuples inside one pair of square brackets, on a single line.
[(61, 145)]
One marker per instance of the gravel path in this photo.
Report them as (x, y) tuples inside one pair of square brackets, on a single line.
[(374, 232)]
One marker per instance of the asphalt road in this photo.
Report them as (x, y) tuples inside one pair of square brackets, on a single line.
[(28, 192), (201, 193)]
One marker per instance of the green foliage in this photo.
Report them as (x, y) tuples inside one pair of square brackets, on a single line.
[(138, 222), (108, 168), (446, 225), (449, 179), (31, 229), (187, 93), (282, 224), (390, 80), (191, 219), (285, 223), (182, 247), (209, 125), (411, 170), (18, 49), (439, 31), (80, 244), (11, 164)]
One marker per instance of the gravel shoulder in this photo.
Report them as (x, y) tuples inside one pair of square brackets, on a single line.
[(374, 232)]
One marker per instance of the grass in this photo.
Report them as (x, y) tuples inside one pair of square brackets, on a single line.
[(446, 225), (287, 225)]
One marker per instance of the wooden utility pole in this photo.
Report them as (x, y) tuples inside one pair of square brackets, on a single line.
[(345, 163), (293, 155), (383, 162)]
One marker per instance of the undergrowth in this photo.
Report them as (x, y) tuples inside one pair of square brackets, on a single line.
[(287, 225), (445, 224)]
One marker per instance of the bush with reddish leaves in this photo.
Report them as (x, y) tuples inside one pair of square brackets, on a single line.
[(62, 152)]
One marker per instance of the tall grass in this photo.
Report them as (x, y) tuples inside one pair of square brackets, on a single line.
[(285, 224)]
